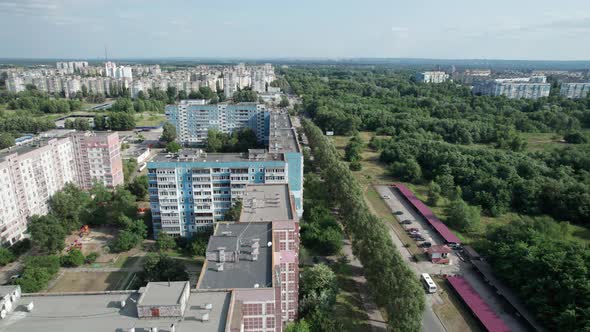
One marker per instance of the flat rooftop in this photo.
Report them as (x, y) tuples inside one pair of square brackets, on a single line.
[(282, 137), (102, 312), (162, 293), (197, 155), (266, 202), (244, 273)]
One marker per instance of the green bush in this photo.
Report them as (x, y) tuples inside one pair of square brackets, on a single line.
[(6, 256), (91, 257), (73, 259)]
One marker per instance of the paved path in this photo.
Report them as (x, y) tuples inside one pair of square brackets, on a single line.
[(375, 319)]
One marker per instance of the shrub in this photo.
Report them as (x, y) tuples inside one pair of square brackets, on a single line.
[(91, 257), (73, 258)]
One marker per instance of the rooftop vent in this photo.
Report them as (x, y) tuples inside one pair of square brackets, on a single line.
[(269, 244), (219, 267), (256, 285), (122, 304), (207, 306), (30, 306), (204, 317)]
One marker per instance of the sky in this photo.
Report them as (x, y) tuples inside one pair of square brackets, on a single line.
[(439, 29)]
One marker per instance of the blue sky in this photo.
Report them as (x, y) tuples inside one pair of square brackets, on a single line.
[(500, 29)]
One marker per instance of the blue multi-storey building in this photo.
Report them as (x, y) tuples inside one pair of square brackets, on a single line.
[(193, 189), (193, 119)]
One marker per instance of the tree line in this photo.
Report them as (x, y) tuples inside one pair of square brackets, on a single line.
[(394, 285)]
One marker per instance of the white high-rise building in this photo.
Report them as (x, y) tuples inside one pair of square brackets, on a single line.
[(575, 90), (432, 77), (515, 88)]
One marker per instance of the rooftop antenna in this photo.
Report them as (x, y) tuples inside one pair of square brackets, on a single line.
[(106, 57)]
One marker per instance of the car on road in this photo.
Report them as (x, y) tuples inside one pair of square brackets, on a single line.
[(386, 197), (425, 245), (406, 222)]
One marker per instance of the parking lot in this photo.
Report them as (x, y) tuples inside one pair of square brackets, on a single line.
[(404, 211)]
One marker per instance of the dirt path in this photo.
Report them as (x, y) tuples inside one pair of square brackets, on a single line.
[(375, 318)]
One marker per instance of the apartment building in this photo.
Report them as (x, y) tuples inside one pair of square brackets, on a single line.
[(514, 88), (575, 90), (98, 158), (193, 189), (31, 174), (193, 119), (432, 77)]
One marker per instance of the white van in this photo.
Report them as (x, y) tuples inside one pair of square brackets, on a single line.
[(428, 283)]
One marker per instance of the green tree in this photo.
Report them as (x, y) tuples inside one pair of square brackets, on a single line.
[(246, 95), (37, 272), (284, 102), (6, 140), (73, 259), (214, 140), (355, 166), (129, 167), (68, 204), (123, 203), (300, 326), (354, 148), (139, 187), (6, 256), (576, 138), (126, 240), (100, 122), (121, 121), (161, 267), (47, 233), (462, 216), (319, 288), (233, 214), (434, 191), (173, 147), (408, 170), (168, 133), (165, 242)]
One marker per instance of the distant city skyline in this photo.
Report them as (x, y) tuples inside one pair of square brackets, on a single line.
[(545, 30)]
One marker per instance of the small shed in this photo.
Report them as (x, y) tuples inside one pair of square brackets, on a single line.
[(439, 254)]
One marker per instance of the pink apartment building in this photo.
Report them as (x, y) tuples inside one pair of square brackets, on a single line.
[(31, 174), (258, 259)]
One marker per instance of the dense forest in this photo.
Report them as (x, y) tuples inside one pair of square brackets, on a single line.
[(473, 149)]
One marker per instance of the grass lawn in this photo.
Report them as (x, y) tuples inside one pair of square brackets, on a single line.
[(90, 282), (543, 141), (153, 119)]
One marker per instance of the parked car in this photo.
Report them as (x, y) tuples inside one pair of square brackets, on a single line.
[(425, 245), (419, 238), (406, 222), (386, 197), (412, 230), (415, 235), (397, 213), (455, 246)]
